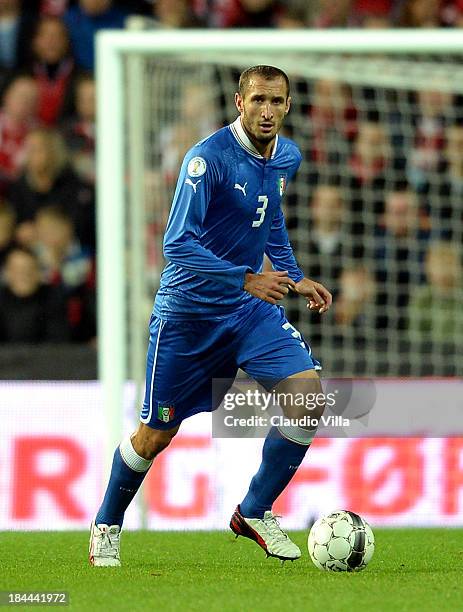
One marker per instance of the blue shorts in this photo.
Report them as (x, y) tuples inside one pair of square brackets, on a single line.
[(184, 357)]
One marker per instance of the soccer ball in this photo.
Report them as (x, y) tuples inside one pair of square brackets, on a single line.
[(341, 542)]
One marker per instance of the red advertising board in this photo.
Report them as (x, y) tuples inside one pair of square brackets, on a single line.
[(52, 470)]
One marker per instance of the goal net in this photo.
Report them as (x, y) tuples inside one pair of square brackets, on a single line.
[(374, 213)]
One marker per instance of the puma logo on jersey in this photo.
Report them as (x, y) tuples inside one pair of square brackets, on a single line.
[(190, 182), (243, 188)]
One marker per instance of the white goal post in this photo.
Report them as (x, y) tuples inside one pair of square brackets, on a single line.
[(113, 48)]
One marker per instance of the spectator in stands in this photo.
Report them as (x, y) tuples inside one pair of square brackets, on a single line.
[(368, 166), (420, 14), (196, 118), (452, 13), (329, 15), (245, 13), (65, 263), (84, 21), (49, 179), (356, 297), (333, 122), (326, 244), (30, 312), (80, 130), (62, 258), (53, 69), (176, 14), (353, 321), (400, 244), (7, 230), (403, 217), (454, 154), (16, 25), (356, 13), (17, 118), (435, 313), (55, 8), (322, 246), (443, 189), (435, 110), (294, 15), (372, 152)]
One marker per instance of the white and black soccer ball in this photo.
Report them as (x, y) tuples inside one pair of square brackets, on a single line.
[(341, 542)]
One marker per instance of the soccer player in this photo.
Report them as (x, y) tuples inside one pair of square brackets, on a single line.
[(217, 311)]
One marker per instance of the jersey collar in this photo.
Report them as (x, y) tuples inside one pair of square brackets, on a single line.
[(243, 139)]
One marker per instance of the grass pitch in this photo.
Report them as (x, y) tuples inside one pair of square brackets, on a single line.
[(412, 570)]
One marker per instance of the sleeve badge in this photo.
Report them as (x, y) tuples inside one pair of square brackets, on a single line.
[(196, 166)]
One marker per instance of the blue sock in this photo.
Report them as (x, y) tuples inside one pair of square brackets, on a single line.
[(280, 460), (123, 484)]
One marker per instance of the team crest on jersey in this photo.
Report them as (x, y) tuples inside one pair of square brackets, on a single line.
[(165, 413), (282, 184), (196, 166)]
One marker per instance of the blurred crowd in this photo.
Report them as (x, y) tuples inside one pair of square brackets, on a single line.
[(384, 234), (47, 174), (383, 225)]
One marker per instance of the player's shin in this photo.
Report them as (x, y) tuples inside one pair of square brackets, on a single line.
[(127, 473), (283, 452)]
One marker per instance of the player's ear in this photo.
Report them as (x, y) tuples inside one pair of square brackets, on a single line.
[(239, 102), (288, 105)]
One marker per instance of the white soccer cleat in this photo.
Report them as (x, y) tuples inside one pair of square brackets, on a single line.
[(267, 533), (105, 544)]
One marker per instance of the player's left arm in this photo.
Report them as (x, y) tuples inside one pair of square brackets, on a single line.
[(280, 253)]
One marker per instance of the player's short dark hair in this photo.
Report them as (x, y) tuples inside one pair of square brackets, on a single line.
[(266, 72)]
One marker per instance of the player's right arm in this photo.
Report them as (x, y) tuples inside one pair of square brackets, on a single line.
[(199, 177)]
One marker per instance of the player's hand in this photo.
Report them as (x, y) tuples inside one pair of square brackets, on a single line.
[(318, 297), (269, 286)]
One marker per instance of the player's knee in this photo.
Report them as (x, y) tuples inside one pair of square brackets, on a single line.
[(148, 442), (315, 402), (317, 408), (303, 396)]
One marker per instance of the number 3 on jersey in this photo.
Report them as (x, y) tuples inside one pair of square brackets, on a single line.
[(260, 210)]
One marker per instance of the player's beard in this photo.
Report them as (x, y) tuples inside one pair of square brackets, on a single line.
[(257, 135), (265, 138)]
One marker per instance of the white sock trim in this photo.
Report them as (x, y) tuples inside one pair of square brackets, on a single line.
[(133, 459), (293, 433)]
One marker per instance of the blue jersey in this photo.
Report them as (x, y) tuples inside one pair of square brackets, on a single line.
[(226, 213)]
